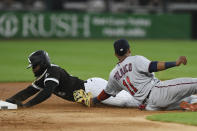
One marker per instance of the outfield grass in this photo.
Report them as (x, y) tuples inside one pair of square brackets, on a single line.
[(90, 58), (189, 118)]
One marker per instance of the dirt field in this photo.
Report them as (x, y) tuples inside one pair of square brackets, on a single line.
[(60, 115)]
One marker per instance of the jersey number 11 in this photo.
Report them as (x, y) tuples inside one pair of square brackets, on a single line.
[(129, 86)]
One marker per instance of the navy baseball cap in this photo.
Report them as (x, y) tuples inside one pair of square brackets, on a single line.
[(121, 46)]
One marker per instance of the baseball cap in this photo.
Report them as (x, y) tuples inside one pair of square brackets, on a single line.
[(121, 46)]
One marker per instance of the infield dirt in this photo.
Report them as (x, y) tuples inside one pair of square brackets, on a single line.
[(60, 115)]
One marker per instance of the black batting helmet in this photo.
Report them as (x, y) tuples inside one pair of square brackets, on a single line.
[(39, 57)]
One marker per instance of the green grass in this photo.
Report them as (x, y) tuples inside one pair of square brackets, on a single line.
[(189, 118), (90, 58)]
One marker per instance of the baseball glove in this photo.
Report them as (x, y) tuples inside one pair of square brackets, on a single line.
[(81, 96)]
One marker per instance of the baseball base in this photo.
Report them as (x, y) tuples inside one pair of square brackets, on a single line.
[(6, 105)]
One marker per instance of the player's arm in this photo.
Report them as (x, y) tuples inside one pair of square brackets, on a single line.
[(22, 95), (110, 90), (43, 95), (159, 66), (101, 97)]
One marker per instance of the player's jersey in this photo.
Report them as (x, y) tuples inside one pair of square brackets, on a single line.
[(132, 75), (66, 83)]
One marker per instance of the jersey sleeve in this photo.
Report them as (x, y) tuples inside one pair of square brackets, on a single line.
[(42, 95), (112, 88), (36, 85), (52, 75), (142, 64)]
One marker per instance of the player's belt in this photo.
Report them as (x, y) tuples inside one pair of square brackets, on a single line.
[(144, 103), (145, 100)]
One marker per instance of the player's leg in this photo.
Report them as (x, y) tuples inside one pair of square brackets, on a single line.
[(122, 99), (176, 106), (96, 85), (169, 92)]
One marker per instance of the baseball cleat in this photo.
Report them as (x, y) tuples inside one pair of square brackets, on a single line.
[(188, 106)]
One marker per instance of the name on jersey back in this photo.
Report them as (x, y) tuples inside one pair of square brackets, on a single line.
[(122, 71)]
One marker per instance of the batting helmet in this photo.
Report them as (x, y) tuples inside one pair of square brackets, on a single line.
[(41, 58)]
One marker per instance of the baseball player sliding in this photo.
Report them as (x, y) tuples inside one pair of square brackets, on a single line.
[(135, 74), (52, 79)]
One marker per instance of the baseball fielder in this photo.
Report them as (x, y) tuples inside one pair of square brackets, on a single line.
[(52, 79), (135, 74)]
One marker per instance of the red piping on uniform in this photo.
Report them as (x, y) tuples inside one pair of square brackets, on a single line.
[(176, 85)]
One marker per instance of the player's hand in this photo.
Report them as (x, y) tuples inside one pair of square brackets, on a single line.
[(13, 101), (181, 60)]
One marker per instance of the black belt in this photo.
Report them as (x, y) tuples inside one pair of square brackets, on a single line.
[(144, 103), (145, 100)]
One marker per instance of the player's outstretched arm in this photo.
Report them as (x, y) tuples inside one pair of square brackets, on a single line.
[(22, 95), (159, 66), (43, 95)]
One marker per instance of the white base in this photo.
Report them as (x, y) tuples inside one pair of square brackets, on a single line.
[(6, 105)]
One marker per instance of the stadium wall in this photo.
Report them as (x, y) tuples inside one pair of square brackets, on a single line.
[(194, 25), (89, 25)]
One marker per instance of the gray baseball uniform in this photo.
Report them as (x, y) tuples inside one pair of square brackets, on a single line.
[(133, 76)]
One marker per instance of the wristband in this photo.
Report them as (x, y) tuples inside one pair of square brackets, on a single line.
[(95, 100), (169, 64)]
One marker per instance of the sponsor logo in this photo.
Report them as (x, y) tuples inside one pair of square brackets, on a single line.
[(8, 25)]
